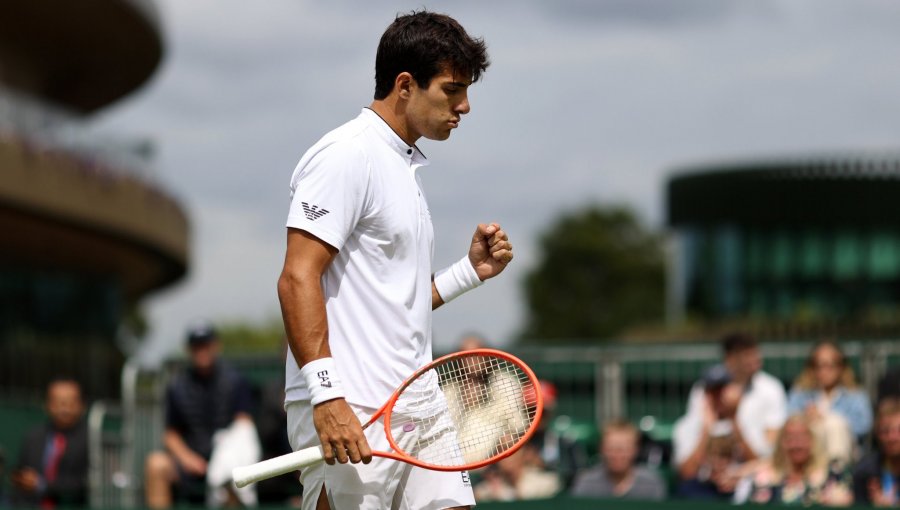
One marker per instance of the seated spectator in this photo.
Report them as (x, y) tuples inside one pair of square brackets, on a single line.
[(208, 397), (517, 477), (560, 454), (763, 404), (618, 476), (53, 461), (710, 450), (485, 403), (797, 473), (876, 478), (827, 393)]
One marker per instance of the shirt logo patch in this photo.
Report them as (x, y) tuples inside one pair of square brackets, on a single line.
[(313, 212)]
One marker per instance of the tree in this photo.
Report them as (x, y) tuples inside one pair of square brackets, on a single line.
[(600, 272), (244, 337)]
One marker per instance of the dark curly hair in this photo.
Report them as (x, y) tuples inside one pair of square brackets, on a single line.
[(423, 44)]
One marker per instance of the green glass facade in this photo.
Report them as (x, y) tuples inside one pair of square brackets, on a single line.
[(790, 273), (795, 241)]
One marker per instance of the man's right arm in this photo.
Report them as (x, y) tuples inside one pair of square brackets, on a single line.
[(306, 325)]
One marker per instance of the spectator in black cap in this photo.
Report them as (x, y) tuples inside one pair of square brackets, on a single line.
[(208, 396)]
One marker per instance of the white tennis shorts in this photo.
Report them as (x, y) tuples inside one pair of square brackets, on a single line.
[(381, 484)]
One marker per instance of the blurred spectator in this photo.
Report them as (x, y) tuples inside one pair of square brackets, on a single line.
[(710, 449), (517, 477), (207, 397), (554, 452), (763, 403), (827, 393), (618, 476), (798, 472), (485, 402), (876, 478), (53, 461), (889, 384), (471, 341)]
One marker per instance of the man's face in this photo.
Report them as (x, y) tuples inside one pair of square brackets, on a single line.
[(743, 363), (64, 404), (203, 356), (725, 399), (619, 450), (434, 111), (889, 435)]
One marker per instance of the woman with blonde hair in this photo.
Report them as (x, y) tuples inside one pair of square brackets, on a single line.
[(827, 393), (798, 472)]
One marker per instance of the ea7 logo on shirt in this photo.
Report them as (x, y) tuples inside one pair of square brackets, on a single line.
[(324, 380), (313, 212)]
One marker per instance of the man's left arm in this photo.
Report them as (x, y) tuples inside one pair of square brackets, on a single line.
[(489, 254)]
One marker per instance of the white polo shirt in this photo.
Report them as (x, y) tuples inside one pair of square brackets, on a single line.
[(357, 190)]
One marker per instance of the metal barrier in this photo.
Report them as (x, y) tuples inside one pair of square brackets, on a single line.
[(647, 384), (650, 383), (121, 436)]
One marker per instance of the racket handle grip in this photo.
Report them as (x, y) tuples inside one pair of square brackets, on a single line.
[(245, 475)]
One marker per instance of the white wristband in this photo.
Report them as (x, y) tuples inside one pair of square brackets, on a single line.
[(322, 380), (452, 281)]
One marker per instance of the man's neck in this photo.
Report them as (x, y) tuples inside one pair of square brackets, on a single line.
[(620, 477), (390, 110)]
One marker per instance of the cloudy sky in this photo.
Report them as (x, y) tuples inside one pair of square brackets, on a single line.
[(586, 101)]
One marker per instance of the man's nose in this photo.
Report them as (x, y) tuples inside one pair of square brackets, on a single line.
[(463, 107)]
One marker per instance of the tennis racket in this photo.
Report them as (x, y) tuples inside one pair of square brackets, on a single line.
[(468, 409)]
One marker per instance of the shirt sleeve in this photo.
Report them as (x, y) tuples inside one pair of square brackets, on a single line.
[(328, 192), (685, 436)]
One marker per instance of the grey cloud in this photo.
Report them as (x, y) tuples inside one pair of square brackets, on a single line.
[(655, 13), (567, 115)]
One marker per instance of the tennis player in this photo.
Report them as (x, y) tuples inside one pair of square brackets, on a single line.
[(357, 289)]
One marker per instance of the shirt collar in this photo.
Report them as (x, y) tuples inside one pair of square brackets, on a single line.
[(411, 154)]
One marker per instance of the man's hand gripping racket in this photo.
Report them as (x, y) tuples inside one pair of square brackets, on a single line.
[(488, 405)]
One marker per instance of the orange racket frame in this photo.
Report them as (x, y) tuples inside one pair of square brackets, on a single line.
[(245, 475), (386, 409)]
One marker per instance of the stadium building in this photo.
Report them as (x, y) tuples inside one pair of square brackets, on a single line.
[(801, 246), (85, 233)]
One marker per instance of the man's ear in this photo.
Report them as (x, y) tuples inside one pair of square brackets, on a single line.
[(402, 84)]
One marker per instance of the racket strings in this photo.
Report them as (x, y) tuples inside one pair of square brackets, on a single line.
[(484, 407)]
